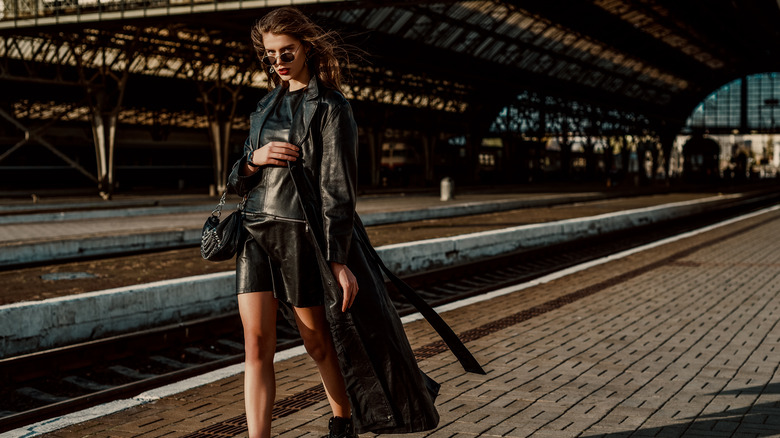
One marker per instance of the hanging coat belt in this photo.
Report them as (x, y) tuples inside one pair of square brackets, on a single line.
[(464, 356), (306, 194)]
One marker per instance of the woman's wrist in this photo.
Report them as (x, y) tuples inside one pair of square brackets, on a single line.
[(249, 161)]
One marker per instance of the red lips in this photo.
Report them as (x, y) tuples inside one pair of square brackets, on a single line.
[(283, 71)]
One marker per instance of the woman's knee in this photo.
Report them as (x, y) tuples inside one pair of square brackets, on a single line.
[(258, 316), (318, 345), (259, 348)]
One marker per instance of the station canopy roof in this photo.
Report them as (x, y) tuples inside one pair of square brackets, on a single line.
[(657, 58)]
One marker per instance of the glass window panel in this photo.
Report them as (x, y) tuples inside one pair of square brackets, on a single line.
[(422, 24), (378, 17), (439, 32), (722, 109), (483, 47), (452, 37), (398, 21)]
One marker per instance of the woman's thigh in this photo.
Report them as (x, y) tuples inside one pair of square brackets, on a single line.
[(313, 327), (311, 320), (258, 315)]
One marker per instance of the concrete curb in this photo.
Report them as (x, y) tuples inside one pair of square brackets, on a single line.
[(470, 208), (103, 214), (39, 325), (19, 209), (406, 258), (65, 249), (34, 326)]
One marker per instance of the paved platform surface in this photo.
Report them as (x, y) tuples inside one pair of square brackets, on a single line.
[(682, 339)]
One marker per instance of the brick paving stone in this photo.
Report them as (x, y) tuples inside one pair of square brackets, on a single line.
[(726, 426), (759, 431), (763, 431), (669, 431), (707, 434), (142, 425), (756, 419), (774, 418), (465, 427), (571, 433)]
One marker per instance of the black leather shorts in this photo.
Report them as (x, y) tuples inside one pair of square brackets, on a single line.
[(278, 256)]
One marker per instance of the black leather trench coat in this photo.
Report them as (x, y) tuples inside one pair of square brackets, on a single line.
[(387, 390)]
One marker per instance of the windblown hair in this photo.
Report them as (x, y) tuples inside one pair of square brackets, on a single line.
[(324, 55)]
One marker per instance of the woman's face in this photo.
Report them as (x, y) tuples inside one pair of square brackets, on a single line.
[(279, 46)]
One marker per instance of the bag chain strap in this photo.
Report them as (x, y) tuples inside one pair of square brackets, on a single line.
[(217, 212)]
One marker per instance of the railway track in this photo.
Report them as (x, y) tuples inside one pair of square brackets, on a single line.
[(58, 381)]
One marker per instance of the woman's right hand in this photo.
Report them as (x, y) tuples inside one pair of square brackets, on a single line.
[(275, 153)]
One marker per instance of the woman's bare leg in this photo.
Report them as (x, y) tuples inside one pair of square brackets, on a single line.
[(258, 315), (316, 338)]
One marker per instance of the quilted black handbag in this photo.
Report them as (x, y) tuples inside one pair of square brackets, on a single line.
[(220, 239)]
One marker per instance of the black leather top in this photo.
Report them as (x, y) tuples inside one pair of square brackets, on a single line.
[(276, 179), (277, 126)]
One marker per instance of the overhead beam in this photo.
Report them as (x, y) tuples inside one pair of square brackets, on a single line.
[(619, 34), (123, 10), (34, 135)]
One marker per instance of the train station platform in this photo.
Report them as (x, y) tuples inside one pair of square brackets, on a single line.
[(57, 230), (73, 228), (676, 338)]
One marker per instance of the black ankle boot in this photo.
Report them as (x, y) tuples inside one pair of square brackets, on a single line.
[(341, 428)]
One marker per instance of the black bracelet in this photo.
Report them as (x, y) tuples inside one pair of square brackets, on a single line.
[(249, 160)]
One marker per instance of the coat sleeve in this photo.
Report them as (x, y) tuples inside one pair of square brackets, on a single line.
[(243, 184), (338, 179)]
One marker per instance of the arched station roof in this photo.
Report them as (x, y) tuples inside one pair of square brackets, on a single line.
[(459, 59)]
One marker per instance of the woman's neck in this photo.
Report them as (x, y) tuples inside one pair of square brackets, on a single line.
[(301, 82)]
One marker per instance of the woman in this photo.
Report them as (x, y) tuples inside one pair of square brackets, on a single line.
[(306, 121), (307, 253)]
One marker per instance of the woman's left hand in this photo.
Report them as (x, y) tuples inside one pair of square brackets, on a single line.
[(348, 283)]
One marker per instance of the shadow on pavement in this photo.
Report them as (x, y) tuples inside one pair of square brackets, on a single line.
[(756, 420)]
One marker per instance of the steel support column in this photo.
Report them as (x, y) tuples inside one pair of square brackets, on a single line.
[(591, 164), (219, 103), (105, 107), (103, 73), (375, 137), (743, 105), (429, 145), (667, 137), (565, 143), (625, 155)]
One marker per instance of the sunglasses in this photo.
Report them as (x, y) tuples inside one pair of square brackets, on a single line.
[(284, 57)]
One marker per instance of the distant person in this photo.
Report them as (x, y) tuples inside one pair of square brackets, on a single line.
[(299, 174)]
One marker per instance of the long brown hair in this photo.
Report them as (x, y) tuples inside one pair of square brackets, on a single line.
[(324, 56)]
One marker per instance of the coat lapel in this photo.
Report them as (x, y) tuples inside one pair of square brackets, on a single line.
[(257, 118)]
